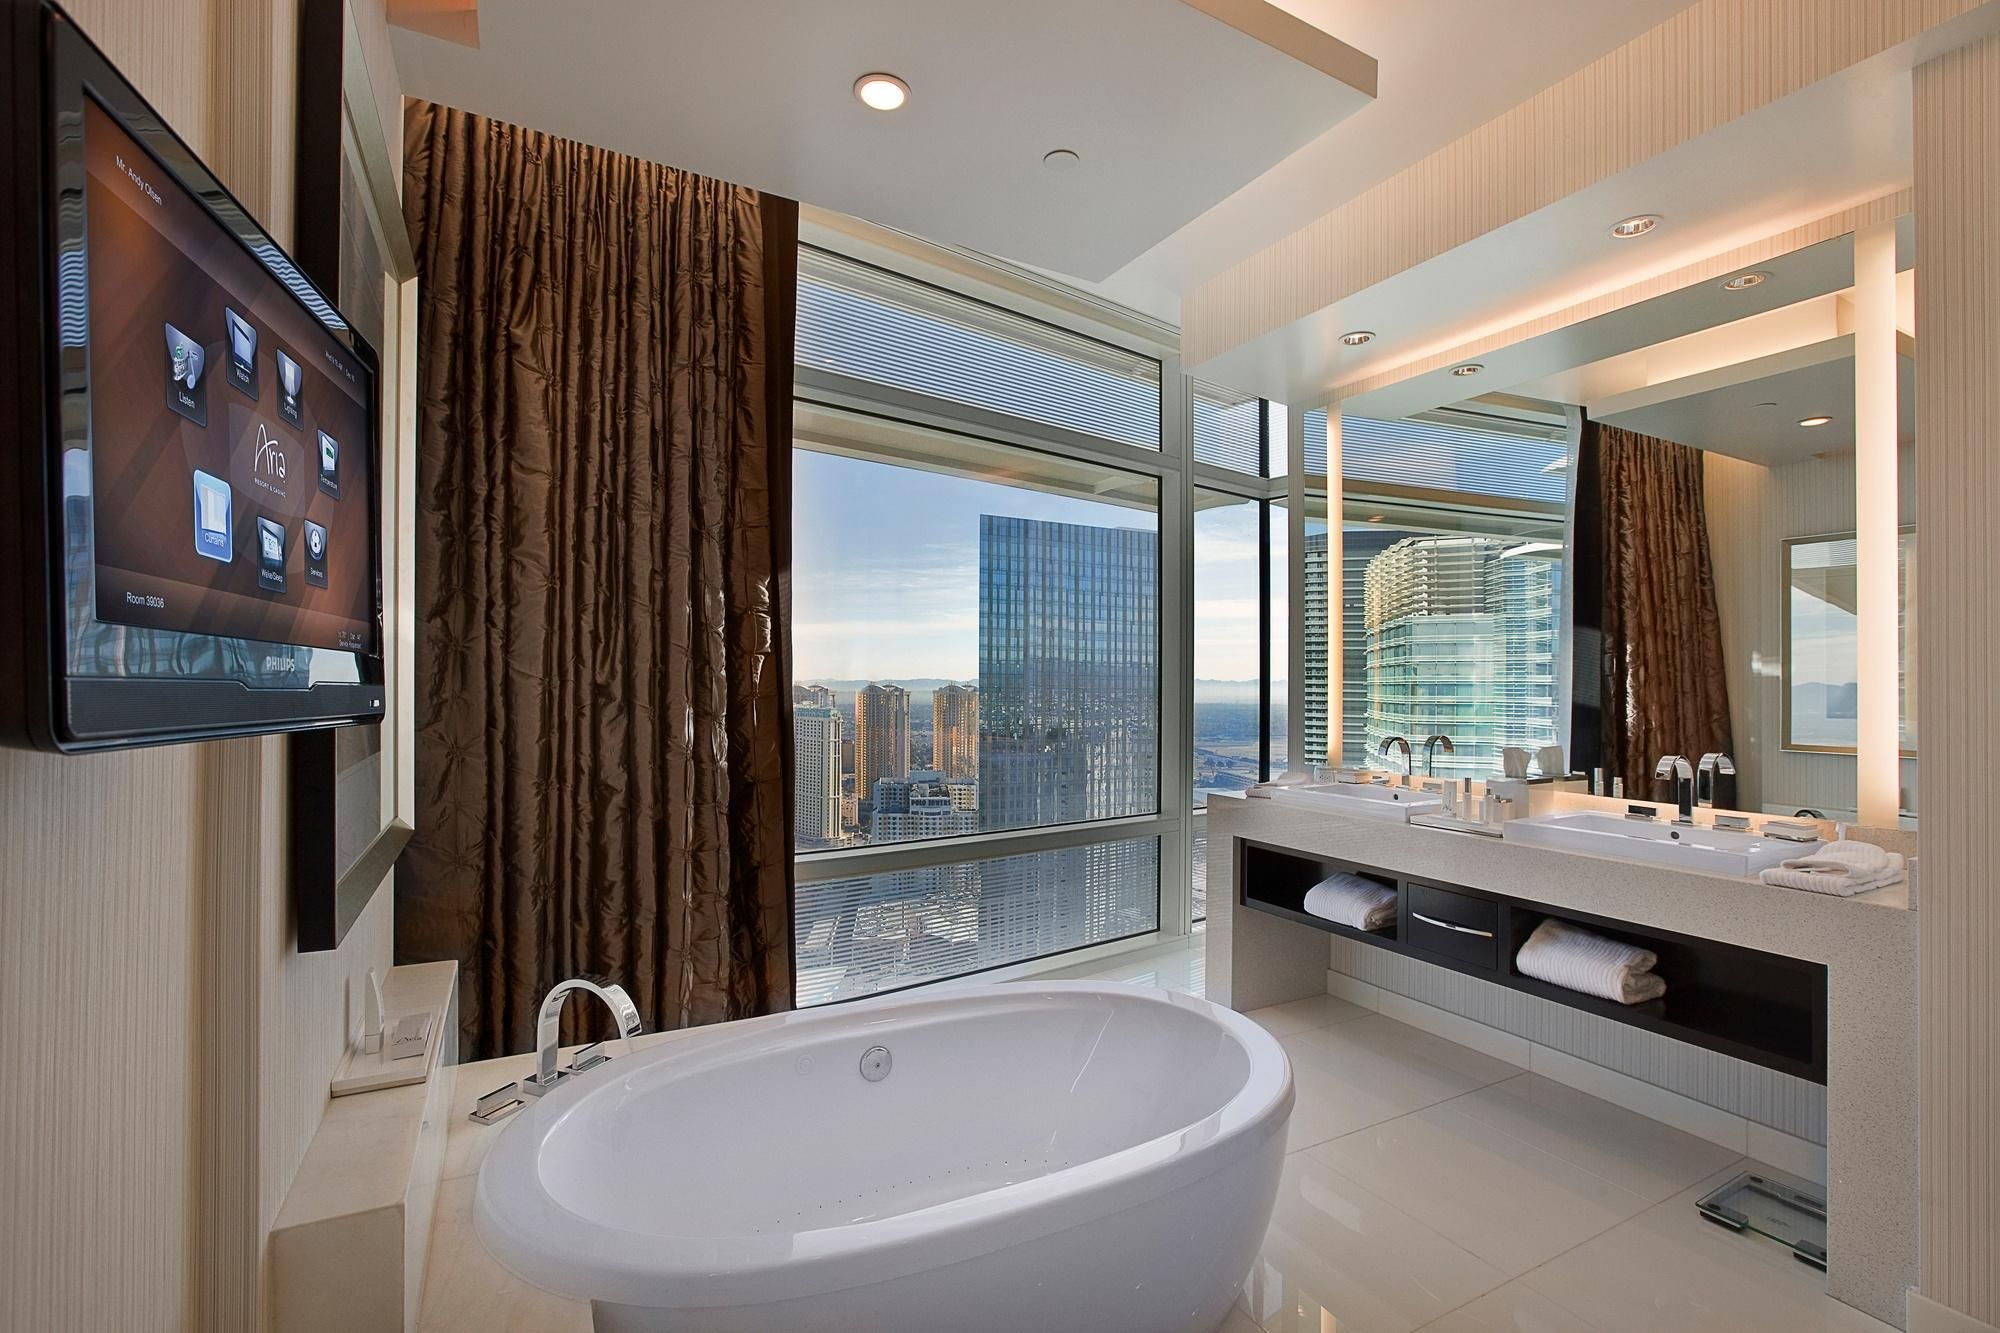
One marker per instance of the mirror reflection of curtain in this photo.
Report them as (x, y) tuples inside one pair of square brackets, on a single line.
[(1649, 613), (603, 546)]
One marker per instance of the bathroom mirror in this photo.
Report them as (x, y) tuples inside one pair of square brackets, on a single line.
[(1698, 544)]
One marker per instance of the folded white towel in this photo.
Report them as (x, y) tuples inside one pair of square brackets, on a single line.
[(1842, 869), (1352, 901), (1567, 956)]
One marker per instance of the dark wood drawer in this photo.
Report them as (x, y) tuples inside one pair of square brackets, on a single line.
[(1455, 925)]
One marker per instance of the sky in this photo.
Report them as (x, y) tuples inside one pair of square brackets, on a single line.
[(885, 570)]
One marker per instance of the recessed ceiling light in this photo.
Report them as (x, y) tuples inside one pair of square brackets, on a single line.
[(1743, 282), (1358, 337), (1469, 368), (1626, 229), (1758, 407), (1814, 421), (1060, 159), (1374, 518), (881, 92)]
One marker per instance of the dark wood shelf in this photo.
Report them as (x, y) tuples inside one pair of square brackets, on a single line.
[(1761, 1008)]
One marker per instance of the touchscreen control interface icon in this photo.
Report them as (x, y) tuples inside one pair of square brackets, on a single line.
[(186, 359), (213, 535), (329, 465), (315, 554), (291, 380), (270, 555), (242, 352)]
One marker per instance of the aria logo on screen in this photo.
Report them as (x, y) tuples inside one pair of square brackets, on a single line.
[(268, 463)]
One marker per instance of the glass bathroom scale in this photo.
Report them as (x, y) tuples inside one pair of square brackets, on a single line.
[(1770, 1208)]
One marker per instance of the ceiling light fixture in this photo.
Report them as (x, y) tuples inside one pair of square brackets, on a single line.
[(1469, 368), (1814, 421), (1358, 337), (1638, 225), (881, 92), (1060, 159), (1758, 407), (1743, 282)]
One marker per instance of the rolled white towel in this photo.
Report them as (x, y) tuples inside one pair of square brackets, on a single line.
[(1836, 870), (1564, 955), (1352, 901)]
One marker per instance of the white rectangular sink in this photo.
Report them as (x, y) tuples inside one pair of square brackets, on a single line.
[(1350, 798), (1655, 842)]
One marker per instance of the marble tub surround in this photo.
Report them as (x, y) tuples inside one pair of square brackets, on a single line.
[(351, 1241), (1867, 945)]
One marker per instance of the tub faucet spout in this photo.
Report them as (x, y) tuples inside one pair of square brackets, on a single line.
[(548, 1027)]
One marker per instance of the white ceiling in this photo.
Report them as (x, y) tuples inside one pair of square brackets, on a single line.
[(1837, 143), (1446, 68), (1170, 109), (1752, 410)]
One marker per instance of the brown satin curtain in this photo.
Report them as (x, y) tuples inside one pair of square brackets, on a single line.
[(603, 552), (1663, 687)]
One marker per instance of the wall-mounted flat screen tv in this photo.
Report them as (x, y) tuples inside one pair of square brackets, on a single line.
[(198, 496)]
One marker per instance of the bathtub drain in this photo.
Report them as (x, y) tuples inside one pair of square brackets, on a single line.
[(876, 1063)]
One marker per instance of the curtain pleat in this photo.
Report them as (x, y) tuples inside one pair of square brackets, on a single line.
[(603, 547), (1663, 687)]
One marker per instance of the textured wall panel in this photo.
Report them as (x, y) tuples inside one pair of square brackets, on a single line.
[(1957, 126)]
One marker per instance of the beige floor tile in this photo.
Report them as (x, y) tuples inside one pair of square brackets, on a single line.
[(1314, 1011), (1652, 1160), (1488, 1192), (465, 1291), (1340, 1256), (1668, 1271), (1514, 1308), (1355, 1074)]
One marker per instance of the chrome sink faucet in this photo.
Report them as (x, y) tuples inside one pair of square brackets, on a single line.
[(1714, 763), (1388, 741), (1430, 753), (1676, 767), (548, 1027)]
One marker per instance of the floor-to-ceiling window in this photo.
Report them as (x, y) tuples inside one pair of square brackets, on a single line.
[(988, 510)]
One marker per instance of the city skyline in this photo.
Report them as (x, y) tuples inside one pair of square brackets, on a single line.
[(923, 542)]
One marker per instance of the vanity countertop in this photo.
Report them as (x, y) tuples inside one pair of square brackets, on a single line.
[(1736, 910)]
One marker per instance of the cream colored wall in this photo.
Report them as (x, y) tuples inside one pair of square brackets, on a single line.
[(164, 1051), (1751, 511), (1957, 142)]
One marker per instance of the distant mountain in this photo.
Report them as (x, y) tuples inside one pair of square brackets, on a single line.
[(1834, 702), (1232, 691)]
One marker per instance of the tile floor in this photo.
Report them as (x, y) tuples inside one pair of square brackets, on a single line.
[(1431, 1187), (1428, 1186)]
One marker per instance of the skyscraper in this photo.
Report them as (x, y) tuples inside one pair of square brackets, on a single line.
[(816, 760), (881, 737), (955, 732), (812, 696), (1359, 544), (1069, 726), (1461, 641)]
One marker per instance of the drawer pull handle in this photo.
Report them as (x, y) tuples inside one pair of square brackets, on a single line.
[(1447, 925)]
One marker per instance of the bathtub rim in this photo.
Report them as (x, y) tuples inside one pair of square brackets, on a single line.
[(550, 1245)]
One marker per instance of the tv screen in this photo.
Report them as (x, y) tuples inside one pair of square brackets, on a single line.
[(198, 550), (229, 485)]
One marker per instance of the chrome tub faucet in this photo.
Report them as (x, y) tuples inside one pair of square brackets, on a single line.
[(1430, 753), (1387, 741), (548, 1028), (1681, 772)]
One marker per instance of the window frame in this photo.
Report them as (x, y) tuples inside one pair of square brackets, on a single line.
[(1170, 467)]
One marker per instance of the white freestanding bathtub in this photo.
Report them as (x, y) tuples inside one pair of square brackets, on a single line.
[(1037, 1156)]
